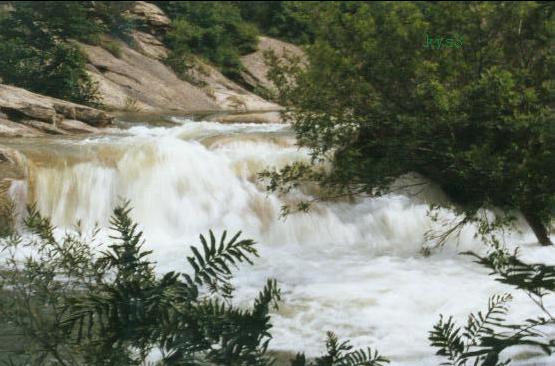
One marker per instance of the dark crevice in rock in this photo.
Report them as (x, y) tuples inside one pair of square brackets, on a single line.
[(13, 114)]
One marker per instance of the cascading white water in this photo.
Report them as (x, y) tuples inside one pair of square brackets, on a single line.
[(354, 268)]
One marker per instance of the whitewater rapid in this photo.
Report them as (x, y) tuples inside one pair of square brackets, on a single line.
[(352, 267)]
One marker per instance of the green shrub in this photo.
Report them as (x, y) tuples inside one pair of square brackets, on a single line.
[(80, 20), (36, 52), (214, 30), (288, 20), (35, 55), (113, 19), (55, 69), (58, 19)]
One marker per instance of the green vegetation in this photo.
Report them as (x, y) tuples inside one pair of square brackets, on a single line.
[(214, 30), (36, 50), (111, 18), (53, 19), (487, 334), (71, 304), (57, 70), (288, 20), (477, 120), (223, 31), (34, 58), (373, 103), (340, 353)]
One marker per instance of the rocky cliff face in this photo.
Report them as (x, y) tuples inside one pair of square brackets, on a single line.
[(136, 79), (23, 113)]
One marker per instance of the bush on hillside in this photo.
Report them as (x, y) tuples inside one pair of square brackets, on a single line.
[(37, 53), (214, 30)]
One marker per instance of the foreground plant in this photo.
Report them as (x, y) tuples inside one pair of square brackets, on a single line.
[(487, 334), (342, 354), (67, 302)]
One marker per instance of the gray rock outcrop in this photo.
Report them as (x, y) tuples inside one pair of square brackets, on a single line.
[(24, 113), (256, 69), (138, 80)]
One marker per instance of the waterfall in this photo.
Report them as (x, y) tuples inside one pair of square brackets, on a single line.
[(351, 267)]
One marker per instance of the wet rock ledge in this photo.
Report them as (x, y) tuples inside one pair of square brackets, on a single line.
[(27, 114)]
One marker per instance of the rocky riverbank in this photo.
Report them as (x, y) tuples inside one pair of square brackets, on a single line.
[(27, 114), (132, 77), (136, 79)]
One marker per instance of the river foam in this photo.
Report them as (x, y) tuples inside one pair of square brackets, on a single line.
[(352, 267)]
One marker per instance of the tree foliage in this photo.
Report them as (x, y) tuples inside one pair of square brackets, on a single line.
[(36, 50), (214, 30), (478, 120), (288, 20), (54, 69)]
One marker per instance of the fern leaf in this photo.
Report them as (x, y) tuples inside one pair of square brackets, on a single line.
[(213, 267), (446, 336)]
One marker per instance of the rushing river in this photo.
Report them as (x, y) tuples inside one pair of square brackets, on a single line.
[(352, 267)]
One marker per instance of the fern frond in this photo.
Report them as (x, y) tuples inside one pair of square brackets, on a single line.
[(39, 225), (341, 354), (481, 324), (537, 279), (446, 336), (127, 256), (268, 297), (363, 358), (213, 266)]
